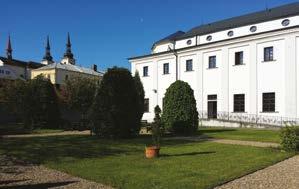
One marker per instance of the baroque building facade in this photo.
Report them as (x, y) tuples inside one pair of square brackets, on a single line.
[(243, 69)]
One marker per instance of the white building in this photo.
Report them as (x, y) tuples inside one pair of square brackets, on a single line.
[(241, 69)]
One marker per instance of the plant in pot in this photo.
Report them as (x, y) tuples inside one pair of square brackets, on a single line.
[(153, 150)]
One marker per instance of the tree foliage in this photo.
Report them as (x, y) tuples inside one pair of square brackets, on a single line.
[(35, 101), (157, 127), (179, 110), (115, 111), (140, 95)]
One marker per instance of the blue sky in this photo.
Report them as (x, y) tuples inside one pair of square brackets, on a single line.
[(107, 32)]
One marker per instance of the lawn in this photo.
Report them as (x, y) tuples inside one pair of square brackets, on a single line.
[(262, 135), (14, 129), (121, 163)]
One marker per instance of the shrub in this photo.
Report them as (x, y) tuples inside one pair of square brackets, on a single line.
[(179, 109), (140, 95), (115, 110), (157, 127), (290, 138)]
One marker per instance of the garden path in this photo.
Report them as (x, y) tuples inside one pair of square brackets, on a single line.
[(283, 175), (17, 174)]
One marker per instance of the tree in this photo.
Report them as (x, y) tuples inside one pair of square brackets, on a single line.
[(115, 111), (140, 95), (179, 111), (80, 94), (35, 101)]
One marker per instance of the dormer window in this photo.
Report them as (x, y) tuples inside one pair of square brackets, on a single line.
[(230, 33), (253, 29), (285, 22), (209, 38)]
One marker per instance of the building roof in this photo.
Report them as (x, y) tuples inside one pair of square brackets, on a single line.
[(252, 18), (20, 63), (71, 67), (171, 37)]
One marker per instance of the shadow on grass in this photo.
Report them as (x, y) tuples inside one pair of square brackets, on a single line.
[(220, 130), (41, 185), (39, 150), (11, 181), (186, 154)]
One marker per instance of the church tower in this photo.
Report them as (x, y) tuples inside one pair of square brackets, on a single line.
[(9, 49), (47, 59), (68, 57)]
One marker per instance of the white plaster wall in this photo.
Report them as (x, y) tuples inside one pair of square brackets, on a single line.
[(165, 80), (271, 75), (183, 43), (239, 76), (212, 78), (162, 47)]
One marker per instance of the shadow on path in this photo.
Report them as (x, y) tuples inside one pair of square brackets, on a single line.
[(39, 186)]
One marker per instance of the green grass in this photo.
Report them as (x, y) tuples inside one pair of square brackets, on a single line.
[(15, 129), (262, 135), (121, 163)]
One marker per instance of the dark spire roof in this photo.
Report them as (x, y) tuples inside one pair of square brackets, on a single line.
[(68, 53), (48, 52), (9, 49)]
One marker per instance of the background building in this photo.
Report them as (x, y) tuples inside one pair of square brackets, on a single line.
[(243, 69), (58, 73), (12, 69)]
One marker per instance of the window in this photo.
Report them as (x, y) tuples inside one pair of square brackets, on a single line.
[(230, 33), (268, 102), (145, 71), (285, 22), (66, 77), (7, 72), (239, 58), (253, 29), (212, 62), (166, 68), (268, 54), (239, 103), (209, 38), (189, 65), (146, 105), (189, 42)]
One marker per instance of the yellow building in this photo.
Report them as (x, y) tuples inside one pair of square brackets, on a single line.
[(60, 72)]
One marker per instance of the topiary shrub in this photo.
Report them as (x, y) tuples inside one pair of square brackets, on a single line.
[(290, 138), (179, 109), (115, 110)]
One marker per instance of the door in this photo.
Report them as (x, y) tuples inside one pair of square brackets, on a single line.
[(212, 110)]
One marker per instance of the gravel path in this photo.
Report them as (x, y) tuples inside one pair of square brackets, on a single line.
[(283, 175), (227, 141), (16, 174), (87, 132)]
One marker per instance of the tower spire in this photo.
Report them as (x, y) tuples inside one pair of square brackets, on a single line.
[(68, 53), (9, 49), (48, 56)]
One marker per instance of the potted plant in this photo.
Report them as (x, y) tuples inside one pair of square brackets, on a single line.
[(153, 150)]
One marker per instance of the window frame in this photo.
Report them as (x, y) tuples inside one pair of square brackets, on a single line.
[(239, 103), (269, 102), (166, 71), (239, 58), (145, 71), (212, 64), (268, 54), (146, 105), (189, 62)]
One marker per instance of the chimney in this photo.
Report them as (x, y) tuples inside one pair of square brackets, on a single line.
[(95, 67)]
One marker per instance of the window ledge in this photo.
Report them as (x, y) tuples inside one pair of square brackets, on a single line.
[(166, 74), (276, 112), (145, 76), (268, 61), (212, 68), (189, 71), (239, 64)]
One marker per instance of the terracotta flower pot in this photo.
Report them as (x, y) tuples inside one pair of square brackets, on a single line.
[(152, 152)]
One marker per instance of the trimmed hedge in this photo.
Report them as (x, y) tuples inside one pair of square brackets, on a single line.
[(290, 138), (179, 109)]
